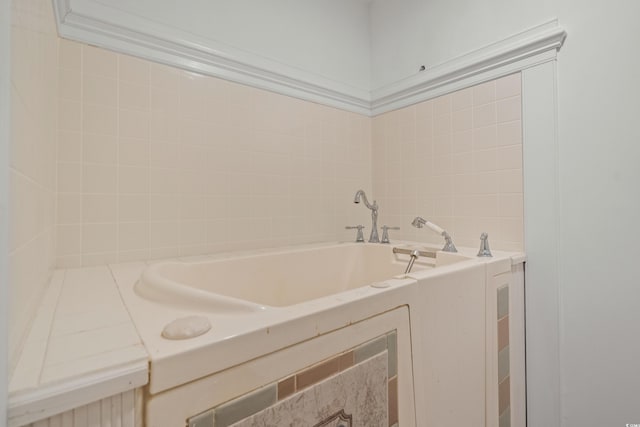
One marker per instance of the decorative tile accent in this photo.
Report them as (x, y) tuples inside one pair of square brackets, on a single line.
[(392, 346), (286, 387), (359, 394), (503, 301), (393, 400), (339, 419), (503, 332), (370, 349), (308, 380), (504, 380), (229, 413)]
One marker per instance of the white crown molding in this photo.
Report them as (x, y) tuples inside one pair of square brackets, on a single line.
[(523, 50), (94, 23)]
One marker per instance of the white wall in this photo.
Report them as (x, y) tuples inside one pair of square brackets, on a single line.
[(5, 13), (598, 69), (410, 33), (329, 38)]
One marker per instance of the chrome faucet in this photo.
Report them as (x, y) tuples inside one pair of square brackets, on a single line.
[(419, 222), (373, 238)]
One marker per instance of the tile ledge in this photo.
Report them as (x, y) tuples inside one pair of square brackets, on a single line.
[(42, 402), (31, 399)]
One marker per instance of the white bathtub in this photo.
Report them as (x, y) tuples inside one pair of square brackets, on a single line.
[(277, 279)]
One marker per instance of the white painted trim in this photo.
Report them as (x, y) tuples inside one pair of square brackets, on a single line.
[(5, 123), (97, 24), (541, 229), (518, 52), (47, 401)]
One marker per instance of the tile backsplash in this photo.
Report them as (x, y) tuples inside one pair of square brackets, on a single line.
[(155, 162), (456, 160)]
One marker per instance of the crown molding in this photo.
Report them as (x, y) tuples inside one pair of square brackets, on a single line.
[(96, 24), (518, 52)]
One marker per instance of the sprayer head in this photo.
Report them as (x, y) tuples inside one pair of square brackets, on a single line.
[(418, 222)]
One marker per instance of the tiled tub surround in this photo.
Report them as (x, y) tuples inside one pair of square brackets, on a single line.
[(82, 348), (355, 387), (32, 164), (457, 161), (155, 162), (244, 352)]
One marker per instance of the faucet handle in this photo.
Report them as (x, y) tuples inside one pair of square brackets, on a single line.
[(484, 246), (385, 233), (359, 236)]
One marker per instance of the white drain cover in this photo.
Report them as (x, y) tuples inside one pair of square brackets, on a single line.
[(186, 327)]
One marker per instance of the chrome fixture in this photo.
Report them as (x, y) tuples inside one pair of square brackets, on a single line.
[(484, 246), (385, 233), (414, 257), (373, 238), (419, 222), (359, 236)]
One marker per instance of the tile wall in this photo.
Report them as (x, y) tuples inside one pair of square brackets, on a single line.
[(33, 97), (155, 162), (457, 161)]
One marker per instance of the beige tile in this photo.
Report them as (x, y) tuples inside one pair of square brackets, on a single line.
[(99, 178), (69, 54), (511, 181), (484, 115), (486, 182), (509, 109), (510, 133), (164, 181), (69, 146), (100, 119), (133, 236), (69, 84), (133, 180), (442, 123), (99, 208), (163, 207), (69, 177), (69, 208), (508, 86), (484, 160), (512, 229), (462, 120), (442, 105), (69, 115), (100, 90), (133, 70), (133, 152), (163, 234), (485, 138), (509, 157), (68, 239), (97, 238), (484, 93), (133, 208), (99, 62), (462, 142), (510, 205), (99, 148), (462, 99), (133, 96), (134, 124), (99, 258), (191, 233)]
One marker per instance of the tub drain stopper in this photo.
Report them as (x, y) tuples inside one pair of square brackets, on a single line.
[(186, 327)]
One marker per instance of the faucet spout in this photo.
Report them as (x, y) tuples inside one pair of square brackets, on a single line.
[(360, 195)]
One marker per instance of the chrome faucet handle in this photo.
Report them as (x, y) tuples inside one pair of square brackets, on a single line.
[(385, 233), (359, 236), (484, 246)]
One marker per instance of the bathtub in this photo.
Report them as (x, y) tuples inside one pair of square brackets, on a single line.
[(310, 302), (270, 280)]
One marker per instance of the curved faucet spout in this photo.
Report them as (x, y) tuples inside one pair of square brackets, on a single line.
[(360, 195)]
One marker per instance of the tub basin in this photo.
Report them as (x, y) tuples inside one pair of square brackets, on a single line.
[(276, 279)]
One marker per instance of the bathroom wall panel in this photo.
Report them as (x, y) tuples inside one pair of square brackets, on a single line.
[(32, 163), (165, 163), (457, 161)]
